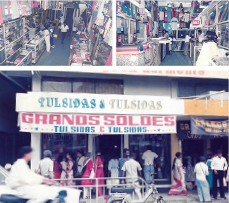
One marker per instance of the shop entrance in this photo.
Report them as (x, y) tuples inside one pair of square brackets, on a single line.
[(108, 145)]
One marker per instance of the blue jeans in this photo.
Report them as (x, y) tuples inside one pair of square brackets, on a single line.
[(203, 190), (148, 174)]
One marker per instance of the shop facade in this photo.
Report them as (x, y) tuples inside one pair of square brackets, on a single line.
[(85, 112)]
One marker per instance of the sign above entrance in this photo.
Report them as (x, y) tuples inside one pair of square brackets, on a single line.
[(54, 102), (96, 124), (213, 128)]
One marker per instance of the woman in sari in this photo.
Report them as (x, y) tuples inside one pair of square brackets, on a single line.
[(99, 173), (57, 169), (86, 171), (69, 171), (178, 186)]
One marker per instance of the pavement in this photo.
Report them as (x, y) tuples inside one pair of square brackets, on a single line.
[(192, 199)]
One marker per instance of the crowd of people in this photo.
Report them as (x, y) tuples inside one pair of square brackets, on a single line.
[(210, 174)]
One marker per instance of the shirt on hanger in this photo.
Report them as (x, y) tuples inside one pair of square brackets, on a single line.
[(161, 15), (186, 17), (174, 22)]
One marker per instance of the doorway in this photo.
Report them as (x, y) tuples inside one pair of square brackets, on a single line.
[(108, 145)]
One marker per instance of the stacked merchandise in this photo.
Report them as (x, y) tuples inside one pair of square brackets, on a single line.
[(79, 50)]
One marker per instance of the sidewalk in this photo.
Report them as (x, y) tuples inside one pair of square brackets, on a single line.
[(193, 198)]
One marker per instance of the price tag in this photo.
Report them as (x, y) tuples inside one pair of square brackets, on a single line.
[(133, 57)]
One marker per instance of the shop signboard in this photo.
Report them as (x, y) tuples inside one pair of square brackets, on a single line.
[(209, 128), (54, 102), (96, 124)]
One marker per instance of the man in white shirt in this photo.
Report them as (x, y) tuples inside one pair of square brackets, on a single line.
[(149, 170), (218, 165), (200, 38), (187, 42), (201, 170), (64, 30), (132, 168), (36, 188), (45, 167)]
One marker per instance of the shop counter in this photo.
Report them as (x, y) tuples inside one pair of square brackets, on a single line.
[(22, 57), (37, 45)]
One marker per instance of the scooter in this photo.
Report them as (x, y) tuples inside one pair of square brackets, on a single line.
[(123, 195)]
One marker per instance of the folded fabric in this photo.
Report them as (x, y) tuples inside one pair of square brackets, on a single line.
[(128, 53)]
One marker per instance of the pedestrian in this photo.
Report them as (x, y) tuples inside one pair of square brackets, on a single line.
[(86, 171), (132, 169), (113, 170), (57, 169), (178, 186), (69, 171), (210, 175), (63, 173), (79, 165), (200, 38), (51, 31), (203, 190), (149, 158), (47, 39), (122, 160), (64, 30), (29, 185), (99, 173), (187, 43), (219, 166), (45, 167)]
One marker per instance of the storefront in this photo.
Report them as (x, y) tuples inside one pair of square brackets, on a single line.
[(108, 123), (148, 32)]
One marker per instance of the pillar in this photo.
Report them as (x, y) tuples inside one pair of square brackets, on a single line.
[(36, 137)]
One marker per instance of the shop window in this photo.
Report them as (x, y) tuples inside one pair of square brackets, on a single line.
[(84, 87), (56, 86), (160, 144), (109, 88), (223, 11), (59, 144), (224, 35)]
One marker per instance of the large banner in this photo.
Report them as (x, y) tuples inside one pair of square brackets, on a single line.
[(54, 102), (205, 127), (96, 124)]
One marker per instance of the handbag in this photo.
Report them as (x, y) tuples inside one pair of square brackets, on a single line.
[(92, 174)]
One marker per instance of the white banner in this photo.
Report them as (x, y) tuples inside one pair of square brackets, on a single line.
[(96, 124), (54, 102)]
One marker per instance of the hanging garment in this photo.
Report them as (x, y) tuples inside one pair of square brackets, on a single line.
[(107, 27), (162, 15), (168, 27), (155, 12), (173, 13), (100, 17), (155, 29), (169, 14), (1, 17), (119, 28), (126, 27), (166, 16), (15, 11), (174, 22), (147, 27), (186, 17)]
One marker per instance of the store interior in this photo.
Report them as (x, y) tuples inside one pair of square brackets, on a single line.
[(87, 43), (153, 33)]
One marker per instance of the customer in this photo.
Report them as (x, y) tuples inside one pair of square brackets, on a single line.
[(149, 166), (187, 43), (79, 166), (209, 50), (201, 170), (218, 165), (51, 31), (99, 173), (132, 168), (178, 186), (57, 169), (69, 171), (45, 167), (210, 175), (122, 160), (86, 171), (36, 188), (64, 30), (200, 38), (63, 173), (113, 170), (47, 39)]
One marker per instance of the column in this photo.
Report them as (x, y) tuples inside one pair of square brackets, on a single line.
[(36, 137)]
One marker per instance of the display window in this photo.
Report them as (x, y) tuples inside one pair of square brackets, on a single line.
[(160, 144), (224, 35), (223, 11), (59, 144)]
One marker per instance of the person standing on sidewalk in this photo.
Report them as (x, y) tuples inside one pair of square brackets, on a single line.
[(64, 30), (178, 186), (132, 168), (219, 166), (149, 166), (122, 160), (210, 175), (201, 170)]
